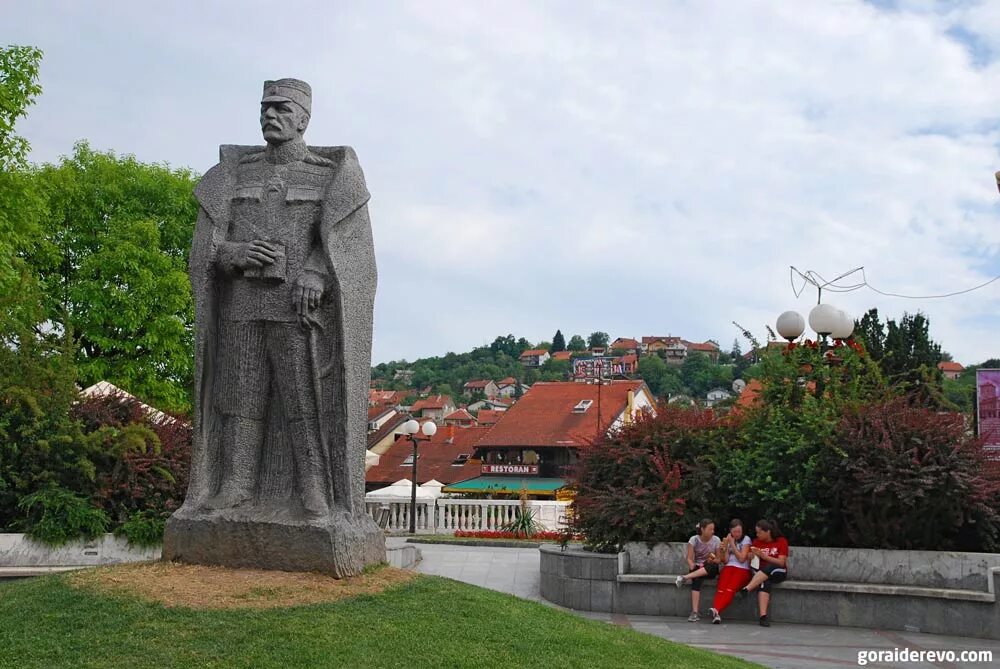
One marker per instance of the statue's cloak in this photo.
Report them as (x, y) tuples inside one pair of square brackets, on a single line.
[(344, 343)]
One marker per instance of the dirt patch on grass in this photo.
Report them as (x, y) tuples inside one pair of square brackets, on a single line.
[(202, 587)]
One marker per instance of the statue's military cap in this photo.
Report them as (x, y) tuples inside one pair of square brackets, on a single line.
[(289, 90)]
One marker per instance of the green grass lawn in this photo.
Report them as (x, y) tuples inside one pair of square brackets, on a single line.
[(427, 622)]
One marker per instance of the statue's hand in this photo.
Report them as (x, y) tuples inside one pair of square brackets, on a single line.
[(307, 292), (258, 253)]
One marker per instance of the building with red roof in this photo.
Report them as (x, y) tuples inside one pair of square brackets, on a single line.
[(625, 344), (460, 418), (487, 387), (951, 370), (534, 357), (562, 355), (435, 407), (539, 438), (488, 417), (506, 387), (446, 457)]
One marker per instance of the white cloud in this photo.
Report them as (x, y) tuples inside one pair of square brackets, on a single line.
[(633, 167)]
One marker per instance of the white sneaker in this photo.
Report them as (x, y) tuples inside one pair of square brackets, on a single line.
[(716, 618), (694, 617), (679, 581)]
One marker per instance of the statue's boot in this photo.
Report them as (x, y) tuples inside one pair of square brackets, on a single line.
[(242, 442), (311, 467)]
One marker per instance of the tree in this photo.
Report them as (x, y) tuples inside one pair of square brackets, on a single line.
[(598, 340), (112, 266), (558, 342), (870, 331), (577, 343), (20, 204), (18, 89)]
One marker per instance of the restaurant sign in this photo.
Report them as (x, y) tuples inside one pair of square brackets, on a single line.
[(511, 469), (988, 406)]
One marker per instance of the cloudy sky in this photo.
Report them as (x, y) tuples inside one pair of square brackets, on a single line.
[(634, 167)]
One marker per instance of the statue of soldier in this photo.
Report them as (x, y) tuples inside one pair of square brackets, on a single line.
[(283, 273)]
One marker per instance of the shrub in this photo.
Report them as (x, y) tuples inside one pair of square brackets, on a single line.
[(144, 528), (915, 478), (55, 516), (143, 463), (650, 481)]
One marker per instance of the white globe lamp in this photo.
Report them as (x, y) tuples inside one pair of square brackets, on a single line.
[(845, 326), (429, 429), (411, 427), (791, 325), (824, 319)]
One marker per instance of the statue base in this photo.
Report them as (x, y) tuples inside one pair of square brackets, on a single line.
[(340, 545)]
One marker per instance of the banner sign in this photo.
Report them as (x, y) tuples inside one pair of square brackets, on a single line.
[(511, 469), (988, 406)]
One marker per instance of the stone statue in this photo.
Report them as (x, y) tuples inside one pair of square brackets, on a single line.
[(283, 273)]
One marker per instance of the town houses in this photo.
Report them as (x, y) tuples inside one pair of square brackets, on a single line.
[(530, 447)]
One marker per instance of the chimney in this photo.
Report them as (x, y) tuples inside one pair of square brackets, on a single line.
[(451, 435)]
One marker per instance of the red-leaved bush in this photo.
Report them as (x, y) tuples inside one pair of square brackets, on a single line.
[(141, 461), (650, 481), (915, 478)]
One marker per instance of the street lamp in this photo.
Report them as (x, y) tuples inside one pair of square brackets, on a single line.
[(410, 429)]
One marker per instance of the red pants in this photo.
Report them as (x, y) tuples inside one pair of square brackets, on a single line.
[(730, 581)]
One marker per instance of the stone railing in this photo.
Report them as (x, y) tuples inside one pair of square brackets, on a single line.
[(940, 592), (450, 515), (20, 556)]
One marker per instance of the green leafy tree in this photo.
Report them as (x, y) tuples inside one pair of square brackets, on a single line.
[(598, 340), (558, 342), (577, 343), (555, 370), (18, 89), (20, 204), (112, 266)]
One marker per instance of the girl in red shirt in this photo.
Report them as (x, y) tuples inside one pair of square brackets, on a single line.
[(771, 549)]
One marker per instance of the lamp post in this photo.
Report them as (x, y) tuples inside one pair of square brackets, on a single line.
[(410, 429)]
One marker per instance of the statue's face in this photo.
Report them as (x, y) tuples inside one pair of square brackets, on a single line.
[(282, 121)]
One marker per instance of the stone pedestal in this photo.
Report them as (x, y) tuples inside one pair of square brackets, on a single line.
[(340, 545)]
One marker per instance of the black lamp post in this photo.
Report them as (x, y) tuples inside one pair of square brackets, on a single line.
[(411, 428)]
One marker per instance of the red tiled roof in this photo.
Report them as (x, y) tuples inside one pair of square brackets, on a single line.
[(750, 394), (479, 383), (534, 351), (387, 428), (460, 414), (509, 381), (488, 416), (386, 396), (544, 417), (435, 458), (950, 367), (562, 355), (707, 347), (668, 340), (623, 342), (378, 411), (433, 402)]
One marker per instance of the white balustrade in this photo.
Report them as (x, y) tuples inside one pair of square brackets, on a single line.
[(449, 515)]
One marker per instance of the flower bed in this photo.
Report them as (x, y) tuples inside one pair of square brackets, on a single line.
[(499, 534)]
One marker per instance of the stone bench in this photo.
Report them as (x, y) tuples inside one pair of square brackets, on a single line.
[(841, 586), (936, 592)]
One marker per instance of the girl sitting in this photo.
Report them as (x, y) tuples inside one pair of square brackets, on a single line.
[(772, 551), (734, 554), (703, 562)]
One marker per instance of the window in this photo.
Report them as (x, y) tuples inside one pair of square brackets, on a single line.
[(582, 406), (408, 462), (460, 460)]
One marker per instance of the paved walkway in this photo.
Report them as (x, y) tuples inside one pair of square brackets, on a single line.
[(515, 571)]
